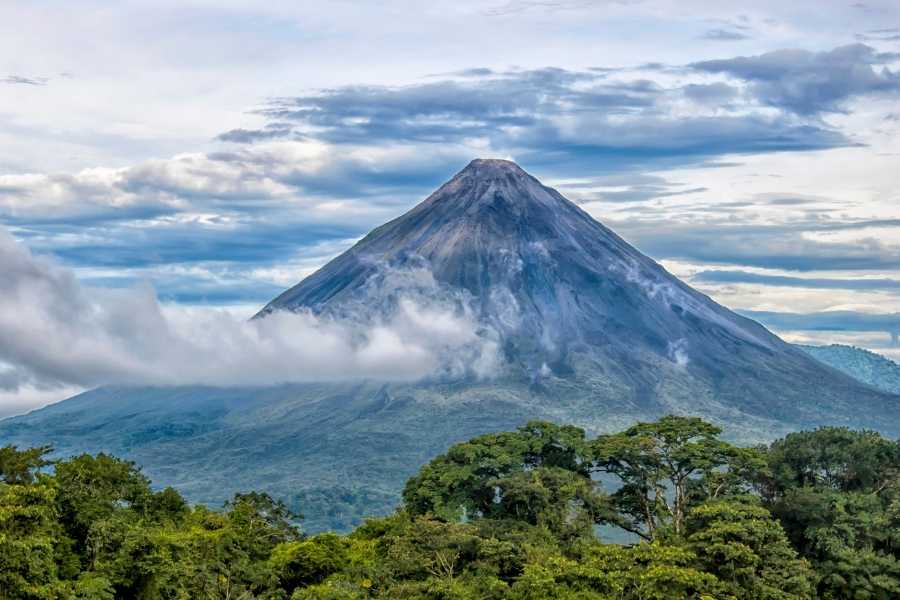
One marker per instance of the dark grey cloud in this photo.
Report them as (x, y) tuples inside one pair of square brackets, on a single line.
[(654, 142), (193, 290), (12, 379), (641, 194), (473, 72), (810, 83), (786, 281), (260, 242), (451, 110)]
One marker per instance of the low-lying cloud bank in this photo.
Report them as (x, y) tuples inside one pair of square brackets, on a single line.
[(54, 332)]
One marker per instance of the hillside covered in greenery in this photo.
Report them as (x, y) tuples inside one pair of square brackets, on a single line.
[(510, 515), (866, 366)]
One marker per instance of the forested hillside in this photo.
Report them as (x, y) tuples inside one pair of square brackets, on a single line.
[(509, 515), (876, 370)]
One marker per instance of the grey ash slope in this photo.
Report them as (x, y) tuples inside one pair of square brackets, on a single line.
[(591, 332)]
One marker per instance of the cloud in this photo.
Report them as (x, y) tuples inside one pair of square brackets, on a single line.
[(55, 332), (323, 167), (248, 136), (555, 117), (520, 6), (19, 80), (625, 188), (794, 246), (268, 177), (839, 320), (890, 34), (724, 35), (213, 227), (718, 93), (810, 83), (723, 276)]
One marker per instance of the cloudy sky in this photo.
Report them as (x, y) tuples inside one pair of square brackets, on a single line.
[(218, 152)]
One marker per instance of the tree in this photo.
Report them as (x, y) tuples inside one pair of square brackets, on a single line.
[(539, 474), (28, 531), (262, 521), (507, 516), (833, 458), (568, 504), (646, 571), (21, 466), (665, 466), (93, 488), (307, 562), (837, 494), (739, 541)]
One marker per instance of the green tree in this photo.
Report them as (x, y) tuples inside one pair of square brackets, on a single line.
[(833, 458), (646, 571), (21, 466), (93, 489), (837, 494), (539, 474), (28, 532), (664, 467), (262, 521), (311, 561), (740, 542)]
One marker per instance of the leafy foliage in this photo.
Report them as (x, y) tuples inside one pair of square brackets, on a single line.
[(837, 494), (506, 516), (666, 466)]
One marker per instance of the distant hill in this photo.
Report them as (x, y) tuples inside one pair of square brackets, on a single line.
[(876, 370), (587, 328)]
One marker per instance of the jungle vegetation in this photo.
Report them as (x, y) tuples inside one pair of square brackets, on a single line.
[(513, 515)]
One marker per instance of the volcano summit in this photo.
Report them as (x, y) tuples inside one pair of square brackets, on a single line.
[(573, 324)]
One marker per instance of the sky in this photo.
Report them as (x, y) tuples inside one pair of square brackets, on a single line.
[(199, 157)]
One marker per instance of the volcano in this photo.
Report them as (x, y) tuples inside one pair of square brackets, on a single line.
[(571, 299), (587, 330)]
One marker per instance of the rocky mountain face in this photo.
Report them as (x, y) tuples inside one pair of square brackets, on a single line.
[(588, 330)]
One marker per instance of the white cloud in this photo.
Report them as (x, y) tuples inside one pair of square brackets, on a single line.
[(55, 332)]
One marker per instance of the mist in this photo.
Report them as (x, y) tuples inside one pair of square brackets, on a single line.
[(56, 333)]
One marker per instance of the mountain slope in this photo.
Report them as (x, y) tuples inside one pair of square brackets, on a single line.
[(871, 368), (588, 331)]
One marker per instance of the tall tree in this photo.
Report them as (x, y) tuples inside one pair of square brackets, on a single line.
[(21, 466), (539, 474), (665, 466), (739, 541)]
